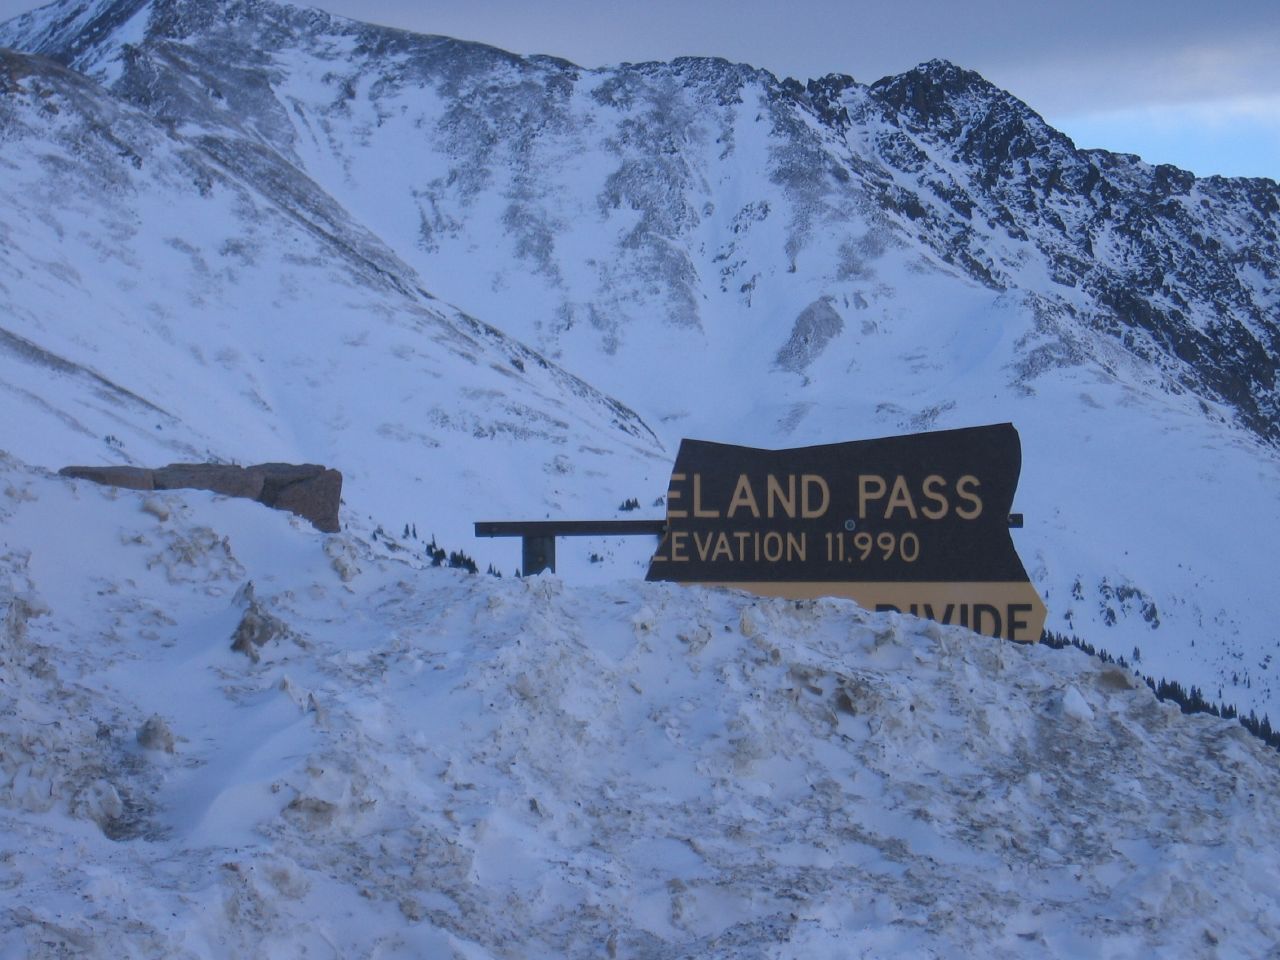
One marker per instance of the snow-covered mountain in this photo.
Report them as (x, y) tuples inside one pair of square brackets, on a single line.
[(729, 255), (159, 304)]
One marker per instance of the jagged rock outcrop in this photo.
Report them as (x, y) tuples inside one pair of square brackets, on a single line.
[(1183, 271), (307, 490)]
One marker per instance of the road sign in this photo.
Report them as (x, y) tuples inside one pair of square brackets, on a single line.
[(916, 523)]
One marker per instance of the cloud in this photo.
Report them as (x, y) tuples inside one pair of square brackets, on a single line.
[(1071, 81), (1232, 137)]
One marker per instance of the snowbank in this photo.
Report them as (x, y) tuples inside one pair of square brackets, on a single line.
[(423, 763)]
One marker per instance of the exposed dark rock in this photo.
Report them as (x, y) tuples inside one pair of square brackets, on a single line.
[(816, 326), (256, 629), (308, 490), (131, 478), (314, 496), (228, 480)]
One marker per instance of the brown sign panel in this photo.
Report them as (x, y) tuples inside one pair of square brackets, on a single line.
[(916, 523)]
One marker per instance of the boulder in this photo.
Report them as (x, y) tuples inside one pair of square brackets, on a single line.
[(132, 478), (276, 477), (314, 497), (308, 490)]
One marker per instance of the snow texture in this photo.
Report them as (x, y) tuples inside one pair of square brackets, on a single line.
[(492, 287), (426, 763)]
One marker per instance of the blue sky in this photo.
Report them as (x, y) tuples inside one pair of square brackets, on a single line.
[(1193, 84)]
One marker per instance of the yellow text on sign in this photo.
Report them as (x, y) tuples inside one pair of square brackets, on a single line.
[(808, 496)]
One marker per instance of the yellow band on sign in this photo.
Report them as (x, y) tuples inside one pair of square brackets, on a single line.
[(1013, 611)]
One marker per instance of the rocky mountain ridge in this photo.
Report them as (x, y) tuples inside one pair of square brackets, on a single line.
[(1181, 272)]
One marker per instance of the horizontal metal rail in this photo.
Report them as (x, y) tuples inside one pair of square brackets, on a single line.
[(568, 528)]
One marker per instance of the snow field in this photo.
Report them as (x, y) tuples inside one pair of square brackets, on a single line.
[(425, 763)]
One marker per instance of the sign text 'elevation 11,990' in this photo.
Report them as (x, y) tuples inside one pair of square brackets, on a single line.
[(917, 523)]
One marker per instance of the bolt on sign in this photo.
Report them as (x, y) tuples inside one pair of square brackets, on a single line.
[(917, 524)]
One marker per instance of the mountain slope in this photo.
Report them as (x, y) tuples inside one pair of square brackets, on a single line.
[(1182, 271), (272, 325), (613, 193), (764, 262)]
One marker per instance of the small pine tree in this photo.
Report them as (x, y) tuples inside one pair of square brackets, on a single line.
[(436, 555), (460, 561)]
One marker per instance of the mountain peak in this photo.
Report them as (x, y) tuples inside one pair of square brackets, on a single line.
[(82, 34), (946, 72), (983, 123), (939, 91)]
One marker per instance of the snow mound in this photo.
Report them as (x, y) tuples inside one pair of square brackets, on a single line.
[(419, 762)]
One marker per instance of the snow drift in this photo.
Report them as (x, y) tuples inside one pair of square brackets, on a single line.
[(417, 762)]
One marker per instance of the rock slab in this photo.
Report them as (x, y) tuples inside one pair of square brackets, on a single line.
[(307, 490)]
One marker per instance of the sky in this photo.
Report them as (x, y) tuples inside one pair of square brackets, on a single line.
[(1189, 83)]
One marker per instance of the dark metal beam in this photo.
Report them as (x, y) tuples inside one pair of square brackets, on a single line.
[(537, 554), (568, 528)]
